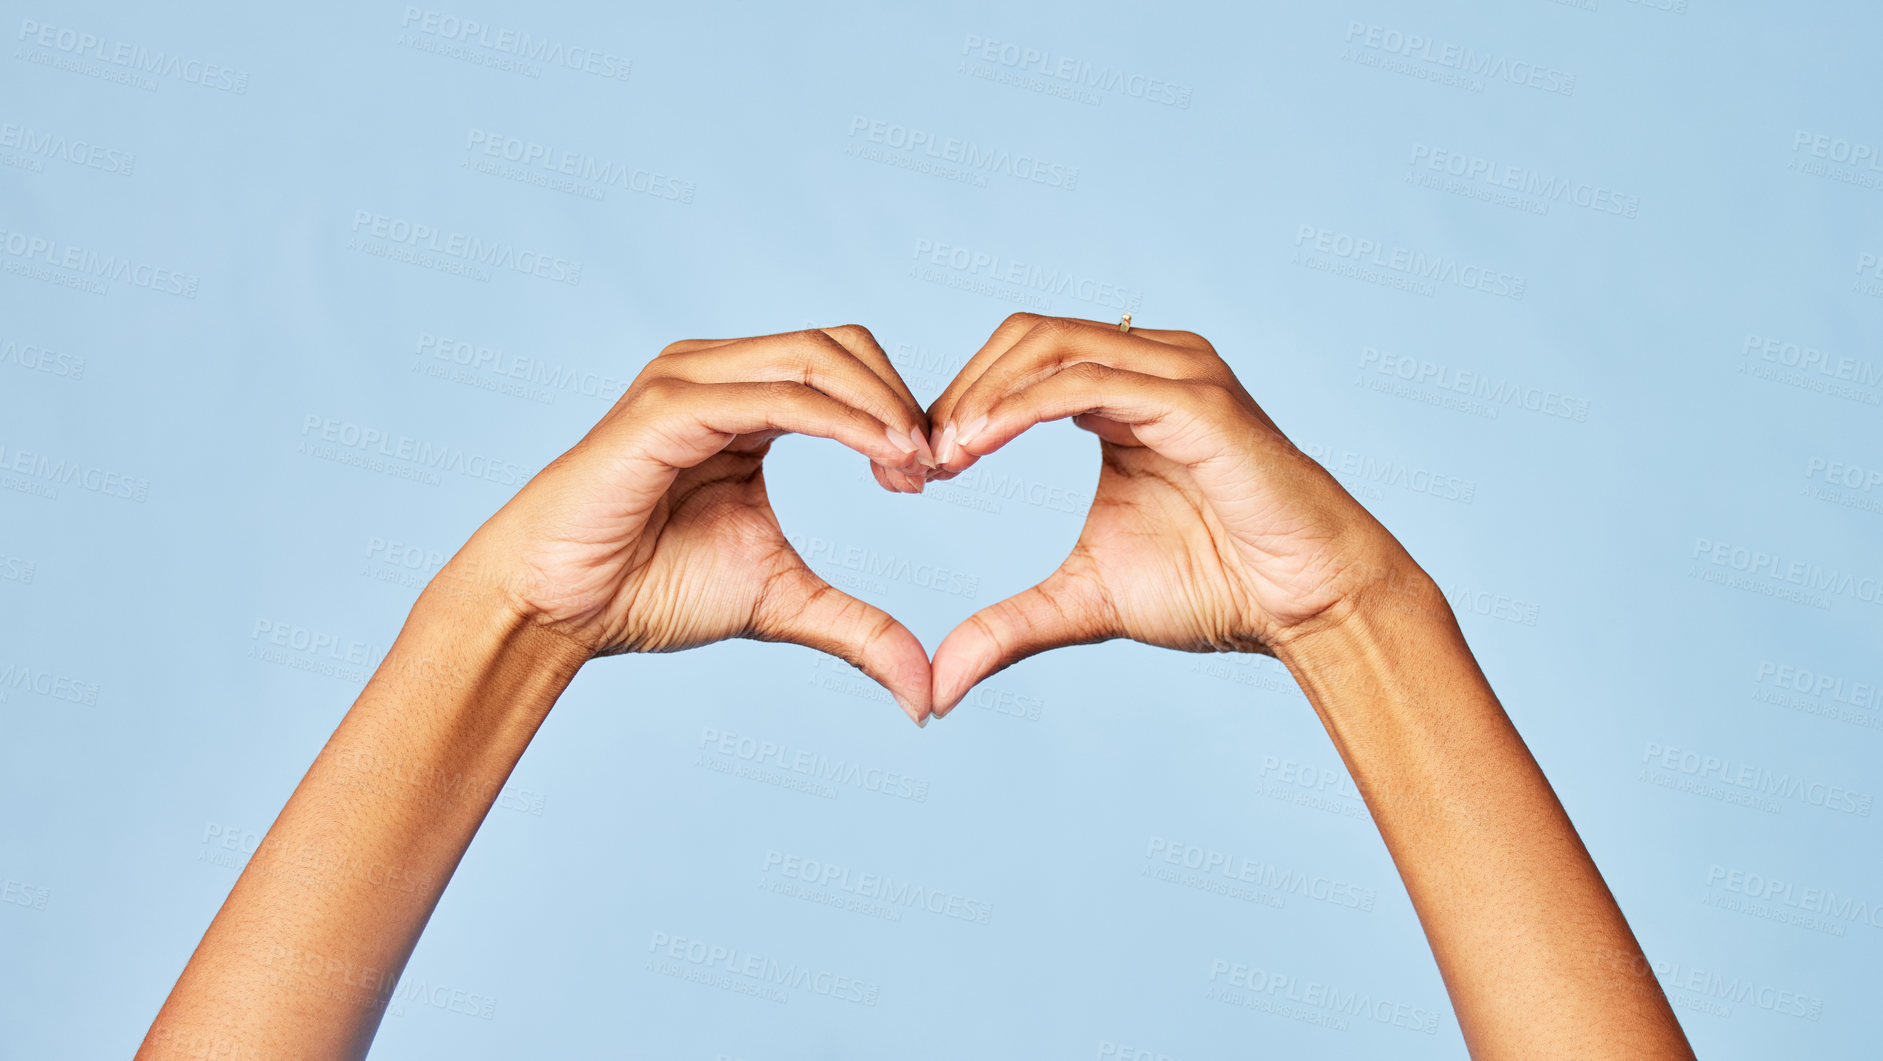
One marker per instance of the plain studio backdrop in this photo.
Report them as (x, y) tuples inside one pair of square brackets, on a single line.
[(1582, 299)]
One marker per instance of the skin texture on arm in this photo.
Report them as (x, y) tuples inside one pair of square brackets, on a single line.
[(652, 534), (1210, 531)]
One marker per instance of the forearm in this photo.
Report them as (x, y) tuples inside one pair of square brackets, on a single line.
[(306, 950), (1536, 955)]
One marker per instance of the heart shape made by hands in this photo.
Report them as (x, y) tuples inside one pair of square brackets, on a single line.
[(1208, 530), (1188, 542)]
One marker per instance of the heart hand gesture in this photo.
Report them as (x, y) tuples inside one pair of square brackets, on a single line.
[(1210, 531), (654, 533)]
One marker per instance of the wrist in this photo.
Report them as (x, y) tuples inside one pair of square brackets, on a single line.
[(1387, 601), (480, 588)]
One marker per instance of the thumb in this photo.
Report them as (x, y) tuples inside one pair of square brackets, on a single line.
[(800, 608), (1065, 609)]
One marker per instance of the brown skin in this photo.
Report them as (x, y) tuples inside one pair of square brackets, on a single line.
[(654, 533), (1210, 531)]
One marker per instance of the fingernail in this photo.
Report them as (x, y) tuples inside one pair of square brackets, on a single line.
[(899, 440), (921, 723), (945, 446), (974, 428), (922, 452)]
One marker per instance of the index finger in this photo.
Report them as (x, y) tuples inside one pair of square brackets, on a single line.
[(1008, 334)]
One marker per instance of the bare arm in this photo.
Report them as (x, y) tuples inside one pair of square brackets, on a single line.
[(1536, 955), (654, 533), (304, 954), (1210, 531)]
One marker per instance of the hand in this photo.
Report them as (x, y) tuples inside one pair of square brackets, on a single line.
[(1210, 531), (654, 533)]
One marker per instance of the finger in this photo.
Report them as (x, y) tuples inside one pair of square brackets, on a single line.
[(816, 360), (1110, 430), (685, 423), (1066, 609), (1011, 331), (1007, 334), (1048, 346), (801, 608), (897, 481), (1187, 421), (685, 346), (863, 345)]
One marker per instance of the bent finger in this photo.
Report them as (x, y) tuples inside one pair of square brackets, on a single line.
[(1184, 420), (1065, 609), (803, 609)]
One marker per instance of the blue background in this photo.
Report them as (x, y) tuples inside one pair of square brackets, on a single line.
[(1602, 562)]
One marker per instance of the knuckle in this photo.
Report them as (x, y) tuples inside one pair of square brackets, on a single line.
[(1056, 328), (779, 391), (818, 346), (679, 346), (1091, 372), (1021, 320), (1214, 398), (662, 390), (851, 333)]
